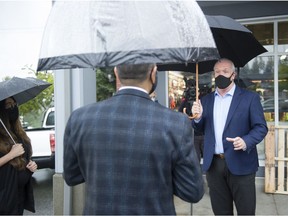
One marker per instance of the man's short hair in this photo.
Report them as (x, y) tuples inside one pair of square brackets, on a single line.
[(226, 60), (134, 72)]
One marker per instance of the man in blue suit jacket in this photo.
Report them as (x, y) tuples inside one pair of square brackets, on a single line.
[(233, 122), (132, 153)]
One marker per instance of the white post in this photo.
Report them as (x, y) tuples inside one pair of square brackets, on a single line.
[(72, 89), (62, 99)]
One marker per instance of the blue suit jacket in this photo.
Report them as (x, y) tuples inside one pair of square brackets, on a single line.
[(246, 120), (133, 154)]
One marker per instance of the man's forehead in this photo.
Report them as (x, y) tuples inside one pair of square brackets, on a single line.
[(223, 65)]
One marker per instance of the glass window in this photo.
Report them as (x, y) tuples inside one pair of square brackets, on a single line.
[(259, 72), (50, 119), (283, 37), (264, 34), (283, 89), (176, 88)]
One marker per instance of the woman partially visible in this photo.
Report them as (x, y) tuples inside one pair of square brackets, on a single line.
[(16, 166)]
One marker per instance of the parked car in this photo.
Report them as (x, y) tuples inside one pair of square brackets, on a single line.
[(269, 105), (43, 141)]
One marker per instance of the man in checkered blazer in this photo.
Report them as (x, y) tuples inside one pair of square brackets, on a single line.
[(132, 153)]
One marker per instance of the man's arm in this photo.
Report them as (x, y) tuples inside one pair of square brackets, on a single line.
[(72, 173), (187, 174), (258, 124)]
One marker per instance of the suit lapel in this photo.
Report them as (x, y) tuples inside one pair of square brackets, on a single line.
[(210, 110), (234, 104)]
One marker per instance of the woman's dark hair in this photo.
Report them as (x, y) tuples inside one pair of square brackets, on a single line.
[(18, 134)]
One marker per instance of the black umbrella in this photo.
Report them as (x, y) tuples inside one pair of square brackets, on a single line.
[(91, 34), (233, 41), (22, 89)]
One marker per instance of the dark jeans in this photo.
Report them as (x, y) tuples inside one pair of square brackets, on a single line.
[(224, 188)]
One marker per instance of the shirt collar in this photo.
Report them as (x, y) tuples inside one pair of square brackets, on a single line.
[(230, 92), (133, 87)]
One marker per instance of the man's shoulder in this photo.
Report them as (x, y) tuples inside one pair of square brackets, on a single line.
[(247, 92), (174, 116)]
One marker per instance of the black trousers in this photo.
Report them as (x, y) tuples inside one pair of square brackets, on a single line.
[(226, 188), (198, 142)]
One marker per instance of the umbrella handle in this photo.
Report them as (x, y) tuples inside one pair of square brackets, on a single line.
[(7, 131), (197, 92)]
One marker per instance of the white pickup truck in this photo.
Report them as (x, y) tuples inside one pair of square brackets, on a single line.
[(43, 141)]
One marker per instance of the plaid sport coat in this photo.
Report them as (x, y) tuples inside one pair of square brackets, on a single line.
[(133, 155)]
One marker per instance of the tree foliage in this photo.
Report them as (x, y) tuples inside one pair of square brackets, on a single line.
[(42, 101), (105, 83), (33, 110)]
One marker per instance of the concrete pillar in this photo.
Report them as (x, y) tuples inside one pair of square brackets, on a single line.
[(72, 89)]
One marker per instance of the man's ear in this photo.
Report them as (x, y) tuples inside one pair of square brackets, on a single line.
[(234, 75), (153, 74), (116, 73)]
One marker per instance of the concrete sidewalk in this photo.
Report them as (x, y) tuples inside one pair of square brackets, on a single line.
[(267, 204)]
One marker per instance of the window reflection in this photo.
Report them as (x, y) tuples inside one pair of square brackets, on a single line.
[(260, 71)]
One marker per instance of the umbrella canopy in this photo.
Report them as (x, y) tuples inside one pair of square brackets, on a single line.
[(233, 41), (90, 34), (22, 89)]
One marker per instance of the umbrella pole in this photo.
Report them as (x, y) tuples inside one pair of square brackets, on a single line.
[(197, 84), (7, 131), (197, 91)]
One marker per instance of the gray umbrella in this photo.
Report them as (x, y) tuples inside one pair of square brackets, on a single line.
[(22, 89), (91, 34)]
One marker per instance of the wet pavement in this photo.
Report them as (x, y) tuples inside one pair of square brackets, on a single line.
[(267, 204), (43, 192)]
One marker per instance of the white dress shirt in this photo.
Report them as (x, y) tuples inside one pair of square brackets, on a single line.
[(220, 113)]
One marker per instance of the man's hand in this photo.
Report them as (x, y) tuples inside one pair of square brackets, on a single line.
[(197, 110), (238, 142)]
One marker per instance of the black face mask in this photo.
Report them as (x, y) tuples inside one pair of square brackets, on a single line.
[(223, 82), (154, 85), (13, 113)]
